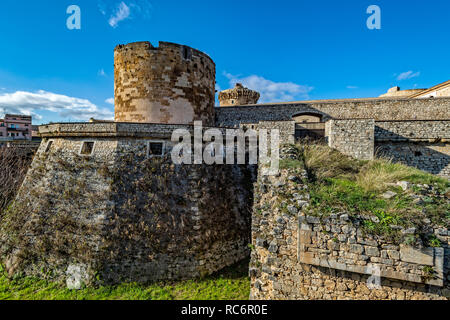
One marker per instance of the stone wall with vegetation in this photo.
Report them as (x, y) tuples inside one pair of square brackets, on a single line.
[(119, 215), (323, 226), (14, 164), (430, 157), (420, 144)]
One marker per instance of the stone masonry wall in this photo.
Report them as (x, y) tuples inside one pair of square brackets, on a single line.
[(118, 215), (403, 131), (297, 257), (172, 84), (430, 157), (354, 138), (378, 109), (421, 144), (286, 129)]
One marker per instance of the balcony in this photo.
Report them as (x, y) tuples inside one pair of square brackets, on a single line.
[(14, 139), (18, 129)]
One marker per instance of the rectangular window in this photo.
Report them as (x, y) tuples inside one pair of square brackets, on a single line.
[(155, 149), (87, 148)]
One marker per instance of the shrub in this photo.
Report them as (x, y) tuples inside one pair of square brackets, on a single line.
[(14, 164)]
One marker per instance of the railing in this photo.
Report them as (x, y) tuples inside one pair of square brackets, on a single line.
[(18, 129)]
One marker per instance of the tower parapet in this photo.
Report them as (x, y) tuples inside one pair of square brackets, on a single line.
[(238, 96), (169, 84)]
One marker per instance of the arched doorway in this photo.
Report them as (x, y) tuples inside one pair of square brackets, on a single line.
[(309, 125)]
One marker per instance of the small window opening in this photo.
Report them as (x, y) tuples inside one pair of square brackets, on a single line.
[(155, 149), (187, 54), (49, 145), (87, 148), (418, 154)]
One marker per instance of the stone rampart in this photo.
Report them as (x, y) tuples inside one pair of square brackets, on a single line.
[(95, 199), (377, 109)]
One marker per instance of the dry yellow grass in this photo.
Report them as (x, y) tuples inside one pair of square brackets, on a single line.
[(376, 175), (379, 174), (325, 162)]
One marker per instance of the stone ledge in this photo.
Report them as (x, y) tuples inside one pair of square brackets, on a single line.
[(308, 258), (352, 259), (113, 129)]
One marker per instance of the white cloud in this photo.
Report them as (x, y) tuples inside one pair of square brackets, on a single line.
[(272, 91), (110, 101), (117, 12), (102, 73), (32, 103), (142, 8), (408, 75), (121, 13), (352, 87)]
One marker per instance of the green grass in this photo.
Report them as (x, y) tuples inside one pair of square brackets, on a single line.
[(290, 164), (230, 284), (341, 184)]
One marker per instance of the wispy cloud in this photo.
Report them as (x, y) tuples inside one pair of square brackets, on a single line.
[(122, 12), (110, 101), (407, 75), (352, 87), (117, 12), (65, 107), (101, 73), (272, 91)]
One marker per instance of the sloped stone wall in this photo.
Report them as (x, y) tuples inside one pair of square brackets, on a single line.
[(120, 216)]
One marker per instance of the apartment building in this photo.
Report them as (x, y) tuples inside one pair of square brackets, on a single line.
[(15, 127)]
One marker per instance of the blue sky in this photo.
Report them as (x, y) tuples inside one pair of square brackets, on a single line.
[(289, 50)]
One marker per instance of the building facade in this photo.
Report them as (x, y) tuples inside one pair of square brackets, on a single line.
[(437, 91), (15, 127)]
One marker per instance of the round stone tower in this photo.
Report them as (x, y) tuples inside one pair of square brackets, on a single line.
[(238, 96), (171, 84)]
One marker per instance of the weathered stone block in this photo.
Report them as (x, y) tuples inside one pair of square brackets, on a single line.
[(372, 251), (417, 256)]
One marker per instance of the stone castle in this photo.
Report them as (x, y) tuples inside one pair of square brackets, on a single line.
[(104, 198)]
